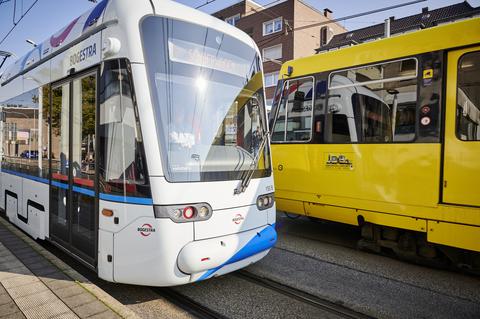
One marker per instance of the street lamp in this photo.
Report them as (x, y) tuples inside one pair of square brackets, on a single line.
[(31, 42)]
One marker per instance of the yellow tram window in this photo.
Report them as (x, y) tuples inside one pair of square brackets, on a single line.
[(468, 97), (373, 104), (296, 106)]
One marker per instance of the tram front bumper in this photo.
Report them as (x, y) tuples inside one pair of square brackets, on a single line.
[(210, 255)]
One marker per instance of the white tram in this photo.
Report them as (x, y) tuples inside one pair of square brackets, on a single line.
[(135, 139)]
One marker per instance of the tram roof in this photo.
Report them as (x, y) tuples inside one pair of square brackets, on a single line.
[(447, 36), (92, 22), (74, 30)]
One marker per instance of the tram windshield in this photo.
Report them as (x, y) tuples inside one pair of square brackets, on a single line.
[(207, 89)]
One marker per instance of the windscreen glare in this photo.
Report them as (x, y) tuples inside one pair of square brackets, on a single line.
[(207, 90)]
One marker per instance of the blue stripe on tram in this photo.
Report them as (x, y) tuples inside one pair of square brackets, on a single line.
[(86, 191)]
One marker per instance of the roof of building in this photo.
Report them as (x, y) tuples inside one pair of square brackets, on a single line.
[(425, 19)]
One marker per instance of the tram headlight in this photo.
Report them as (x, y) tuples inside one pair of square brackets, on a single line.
[(265, 201), (184, 213), (177, 213), (203, 211)]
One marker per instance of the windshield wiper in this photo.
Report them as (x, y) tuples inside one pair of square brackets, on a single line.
[(248, 174)]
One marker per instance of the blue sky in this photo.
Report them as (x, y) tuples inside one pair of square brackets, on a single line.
[(48, 16)]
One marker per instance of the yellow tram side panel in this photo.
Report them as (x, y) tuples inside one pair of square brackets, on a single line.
[(383, 177), (456, 235), (395, 185)]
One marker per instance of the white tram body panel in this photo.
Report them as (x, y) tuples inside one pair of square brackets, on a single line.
[(133, 242)]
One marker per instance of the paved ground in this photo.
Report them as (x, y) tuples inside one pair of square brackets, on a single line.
[(320, 259), (33, 286)]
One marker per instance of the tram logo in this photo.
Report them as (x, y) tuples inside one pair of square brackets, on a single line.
[(146, 230), (339, 161), (238, 219), (83, 54)]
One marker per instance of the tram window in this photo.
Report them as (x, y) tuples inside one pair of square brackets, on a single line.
[(60, 114), (278, 132), (468, 97), (121, 165), (21, 149), (84, 109), (378, 103), (297, 106), (319, 109), (340, 132), (372, 119), (275, 104), (45, 128)]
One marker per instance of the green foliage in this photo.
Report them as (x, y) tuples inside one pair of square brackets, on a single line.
[(88, 106)]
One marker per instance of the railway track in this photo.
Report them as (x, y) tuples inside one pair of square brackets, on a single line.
[(188, 304), (203, 312), (301, 296)]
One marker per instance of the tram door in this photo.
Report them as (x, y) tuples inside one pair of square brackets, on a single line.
[(73, 208), (462, 130)]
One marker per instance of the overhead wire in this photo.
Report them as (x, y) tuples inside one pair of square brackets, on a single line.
[(206, 3), (268, 40), (359, 15), (16, 23)]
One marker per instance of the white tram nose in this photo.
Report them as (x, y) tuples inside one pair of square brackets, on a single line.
[(212, 254)]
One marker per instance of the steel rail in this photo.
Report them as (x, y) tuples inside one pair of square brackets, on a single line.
[(188, 304), (302, 296)]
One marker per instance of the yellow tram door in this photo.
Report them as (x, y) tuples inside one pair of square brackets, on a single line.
[(461, 171)]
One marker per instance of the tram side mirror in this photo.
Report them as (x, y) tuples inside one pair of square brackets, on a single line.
[(289, 70)]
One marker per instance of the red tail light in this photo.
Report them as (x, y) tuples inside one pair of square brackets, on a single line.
[(188, 212)]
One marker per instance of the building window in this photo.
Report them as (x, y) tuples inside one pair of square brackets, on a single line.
[(233, 19), (272, 53), (272, 26), (271, 79), (323, 36)]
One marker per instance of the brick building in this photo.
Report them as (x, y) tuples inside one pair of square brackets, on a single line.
[(281, 31)]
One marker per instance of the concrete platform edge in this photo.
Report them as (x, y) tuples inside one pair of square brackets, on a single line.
[(83, 282)]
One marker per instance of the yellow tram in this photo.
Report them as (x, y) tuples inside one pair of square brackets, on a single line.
[(386, 135)]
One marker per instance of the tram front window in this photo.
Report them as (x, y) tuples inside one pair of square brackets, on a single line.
[(207, 89)]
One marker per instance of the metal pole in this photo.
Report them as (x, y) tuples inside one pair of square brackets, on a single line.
[(387, 28)]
